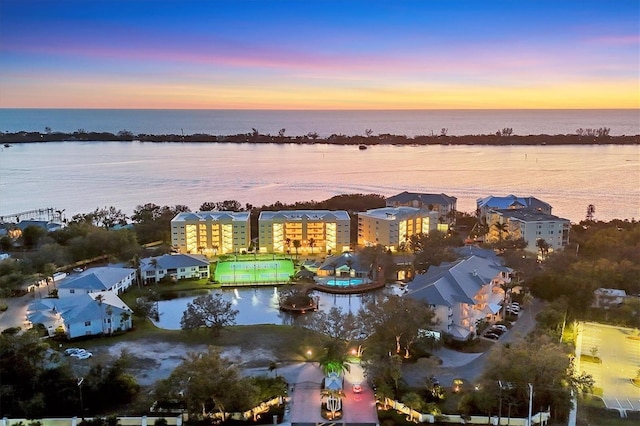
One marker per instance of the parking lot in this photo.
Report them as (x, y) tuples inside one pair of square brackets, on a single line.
[(619, 351)]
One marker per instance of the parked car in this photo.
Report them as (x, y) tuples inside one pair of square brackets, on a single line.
[(80, 352), (500, 327), (512, 312), (84, 355), (492, 336), (71, 351), (497, 331)]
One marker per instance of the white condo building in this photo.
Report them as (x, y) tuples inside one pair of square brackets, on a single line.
[(393, 226), (317, 231), (214, 232)]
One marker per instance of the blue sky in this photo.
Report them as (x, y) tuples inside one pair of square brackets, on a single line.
[(319, 54)]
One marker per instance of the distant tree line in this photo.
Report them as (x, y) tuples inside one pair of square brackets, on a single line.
[(504, 136)]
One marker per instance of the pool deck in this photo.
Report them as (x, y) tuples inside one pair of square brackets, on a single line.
[(353, 289)]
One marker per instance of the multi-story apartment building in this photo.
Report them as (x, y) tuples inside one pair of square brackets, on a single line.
[(393, 226), (510, 202), (214, 232), (445, 205), (317, 231), (529, 225)]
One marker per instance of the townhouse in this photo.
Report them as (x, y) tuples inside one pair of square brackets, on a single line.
[(105, 278), (174, 266), (462, 293)]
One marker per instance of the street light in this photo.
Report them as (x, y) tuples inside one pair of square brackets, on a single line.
[(80, 380), (530, 402)]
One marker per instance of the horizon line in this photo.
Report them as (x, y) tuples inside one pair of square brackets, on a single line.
[(326, 109)]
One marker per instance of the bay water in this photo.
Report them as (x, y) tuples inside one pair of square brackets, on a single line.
[(79, 176)]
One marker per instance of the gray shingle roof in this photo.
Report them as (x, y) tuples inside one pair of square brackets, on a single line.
[(455, 282), (101, 278), (406, 197), (511, 201), (174, 261)]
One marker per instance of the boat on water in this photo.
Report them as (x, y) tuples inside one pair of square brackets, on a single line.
[(362, 147)]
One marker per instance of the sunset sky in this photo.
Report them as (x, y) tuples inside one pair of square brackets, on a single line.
[(316, 54)]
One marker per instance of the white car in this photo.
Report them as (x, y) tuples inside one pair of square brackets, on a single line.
[(82, 354), (71, 351)]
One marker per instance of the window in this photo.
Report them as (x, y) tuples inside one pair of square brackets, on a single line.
[(72, 291), (87, 323)]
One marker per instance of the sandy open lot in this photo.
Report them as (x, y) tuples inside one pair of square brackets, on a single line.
[(152, 361)]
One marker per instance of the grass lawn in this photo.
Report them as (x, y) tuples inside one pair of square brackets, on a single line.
[(254, 271)]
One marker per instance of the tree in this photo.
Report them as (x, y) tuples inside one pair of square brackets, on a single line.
[(210, 311), (296, 245), (208, 383), (208, 206), (396, 322), (432, 249), (31, 236), (541, 362), (334, 324), (100, 299), (502, 228), (543, 248), (312, 244)]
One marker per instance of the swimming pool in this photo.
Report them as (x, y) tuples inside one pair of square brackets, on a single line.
[(342, 282)]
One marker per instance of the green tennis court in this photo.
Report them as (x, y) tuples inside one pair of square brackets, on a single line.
[(254, 272)]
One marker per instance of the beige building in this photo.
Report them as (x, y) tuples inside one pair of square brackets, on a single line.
[(393, 226), (318, 231), (211, 232)]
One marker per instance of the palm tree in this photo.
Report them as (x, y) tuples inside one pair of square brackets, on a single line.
[(154, 263), (124, 317), (501, 228), (349, 263), (543, 248), (109, 312), (135, 262), (296, 245), (100, 299), (312, 243)]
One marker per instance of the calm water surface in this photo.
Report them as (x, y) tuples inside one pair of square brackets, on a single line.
[(260, 305), (81, 176)]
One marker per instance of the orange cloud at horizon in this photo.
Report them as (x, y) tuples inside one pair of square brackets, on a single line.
[(90, 93)]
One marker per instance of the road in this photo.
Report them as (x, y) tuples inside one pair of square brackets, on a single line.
[(16, 314)]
